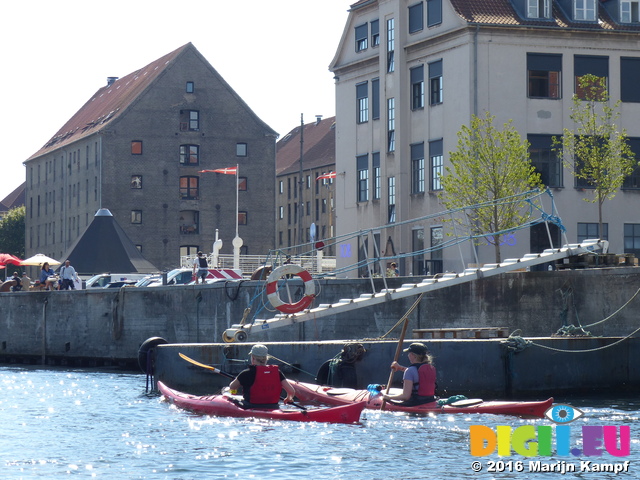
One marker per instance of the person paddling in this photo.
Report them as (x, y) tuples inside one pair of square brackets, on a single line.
[(261, 383), (419, 379)]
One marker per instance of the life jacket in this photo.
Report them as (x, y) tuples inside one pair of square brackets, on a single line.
[(426, 380), (266, 387)]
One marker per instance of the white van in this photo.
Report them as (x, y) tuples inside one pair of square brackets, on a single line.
[(103, 279)]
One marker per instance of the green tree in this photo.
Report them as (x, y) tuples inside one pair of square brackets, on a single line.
[(596, 151), (12, 232), (488, 165)]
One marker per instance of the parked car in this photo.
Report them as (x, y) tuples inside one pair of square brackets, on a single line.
[(103, 279), (184, 276)]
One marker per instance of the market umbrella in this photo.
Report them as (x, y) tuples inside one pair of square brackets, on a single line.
[(38, 259), (7, 258)]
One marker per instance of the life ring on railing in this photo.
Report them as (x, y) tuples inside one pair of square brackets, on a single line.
[(272, 288)]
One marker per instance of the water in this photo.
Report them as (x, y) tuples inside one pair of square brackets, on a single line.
[(82, 424)]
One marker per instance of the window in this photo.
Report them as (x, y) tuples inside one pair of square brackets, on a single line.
[(417, 245), (391, 42), (242, 218), (241, 149), (629, 74), (189, 120), (375, 99), (391, 124), (434, 12), (417, 87), (585, 64), (416, 17), (633, 180), (437, 240), (281, 212), (189, 154), (190, 87), (375, 33), (362, 164), (539, 8), (435, 82), (629, 11), (545, 159), (632, 238), (186, 250), (136, 147), (436, 165), (391, 197), (590, 230), (584, 10), (136, 216), (362, 31), (136, 181), (281, 187), (362, 101), (375, 163), (544, 71), (417, 168), (189, 222), (189, 188)]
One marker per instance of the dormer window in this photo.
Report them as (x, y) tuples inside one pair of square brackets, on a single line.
[(629, 11), (539, 8), (584, 10)]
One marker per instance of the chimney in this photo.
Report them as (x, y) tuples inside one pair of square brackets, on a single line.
[(318, 119), (111, 80)]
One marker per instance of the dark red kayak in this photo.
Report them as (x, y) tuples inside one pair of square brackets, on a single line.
[(308, 392), (224, 406)]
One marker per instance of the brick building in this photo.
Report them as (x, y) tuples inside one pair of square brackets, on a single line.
[(137, 148)]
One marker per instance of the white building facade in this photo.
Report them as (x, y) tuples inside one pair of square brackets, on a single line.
[(410, 73)]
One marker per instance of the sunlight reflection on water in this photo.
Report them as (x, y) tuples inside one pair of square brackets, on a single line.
[(102, 425)]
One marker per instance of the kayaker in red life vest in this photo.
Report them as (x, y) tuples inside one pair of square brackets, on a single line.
[(261, 383), (419, 379)]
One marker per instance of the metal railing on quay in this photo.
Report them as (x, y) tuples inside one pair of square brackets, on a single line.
[(250, 263)]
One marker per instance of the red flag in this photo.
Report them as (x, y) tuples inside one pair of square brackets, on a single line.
[(327, 176), (226, 171)]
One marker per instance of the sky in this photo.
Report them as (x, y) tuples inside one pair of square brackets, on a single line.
[(57, 54)]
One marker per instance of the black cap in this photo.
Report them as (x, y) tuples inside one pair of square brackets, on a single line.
[(417, 348)]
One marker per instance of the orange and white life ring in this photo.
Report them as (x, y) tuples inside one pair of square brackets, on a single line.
[(272, 288)]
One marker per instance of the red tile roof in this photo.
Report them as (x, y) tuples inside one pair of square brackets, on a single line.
[(502, 12), (108, 103), (14, 199), (319, 147)]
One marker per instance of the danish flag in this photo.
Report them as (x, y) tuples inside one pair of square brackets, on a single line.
[(226, 171)]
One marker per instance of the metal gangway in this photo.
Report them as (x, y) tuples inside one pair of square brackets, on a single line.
[(240, 332)]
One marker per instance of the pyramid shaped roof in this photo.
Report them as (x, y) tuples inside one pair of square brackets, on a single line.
[(104, 247)]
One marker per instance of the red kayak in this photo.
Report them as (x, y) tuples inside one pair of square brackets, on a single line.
[(310, 393), (223, 406)]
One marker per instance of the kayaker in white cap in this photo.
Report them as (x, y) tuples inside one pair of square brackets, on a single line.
[(261, 383), (419, 379)]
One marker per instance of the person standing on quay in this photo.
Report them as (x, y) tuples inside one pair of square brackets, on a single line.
[(68, 275), (200, 267)]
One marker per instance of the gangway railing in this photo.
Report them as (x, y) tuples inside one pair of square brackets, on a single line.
[(240, 332)]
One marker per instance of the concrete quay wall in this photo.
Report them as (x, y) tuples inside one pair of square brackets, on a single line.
[(110, 325)]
